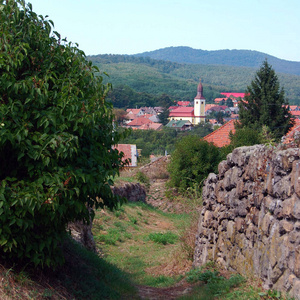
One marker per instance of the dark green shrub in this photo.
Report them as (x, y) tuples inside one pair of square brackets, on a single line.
[(56, 137)]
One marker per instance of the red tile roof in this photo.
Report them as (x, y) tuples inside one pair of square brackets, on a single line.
[(293, 107), (182, 112), (295, 113), (183, 103), (149, 126), (289, 137), (139, 121), (235, 95), (133, 110), (172, 108), (220, 99), (220, 137), (209, 106)]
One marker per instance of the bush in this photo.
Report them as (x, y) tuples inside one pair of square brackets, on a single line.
[(245, 137), (56, 137), (192, 161)]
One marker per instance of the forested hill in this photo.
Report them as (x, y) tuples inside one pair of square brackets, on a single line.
[(179, 80), (239, 58)]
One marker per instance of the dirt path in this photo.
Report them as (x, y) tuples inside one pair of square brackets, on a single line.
[(152, 293)]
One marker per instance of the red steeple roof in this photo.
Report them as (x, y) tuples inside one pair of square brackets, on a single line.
[(200, 91)]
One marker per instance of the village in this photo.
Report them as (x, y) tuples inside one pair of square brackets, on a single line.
[(186, 115)]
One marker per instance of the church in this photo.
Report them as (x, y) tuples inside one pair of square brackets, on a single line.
[(194, 114)]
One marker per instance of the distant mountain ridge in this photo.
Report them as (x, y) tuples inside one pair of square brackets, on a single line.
[(238, 58)]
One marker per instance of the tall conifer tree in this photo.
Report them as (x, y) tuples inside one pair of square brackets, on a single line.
[(265, 104)]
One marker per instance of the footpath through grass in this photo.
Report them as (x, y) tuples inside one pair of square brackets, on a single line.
[(145, 242)]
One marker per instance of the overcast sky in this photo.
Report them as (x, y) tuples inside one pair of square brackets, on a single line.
[(135, 26)]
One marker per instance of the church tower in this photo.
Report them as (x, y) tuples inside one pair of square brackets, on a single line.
[(199, 106)]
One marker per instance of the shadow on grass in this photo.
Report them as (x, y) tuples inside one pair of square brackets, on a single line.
[(86, 276), (83, 276)]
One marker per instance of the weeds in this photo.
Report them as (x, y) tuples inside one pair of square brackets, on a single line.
[(272, 294), (215, 285), (143, 178), (163, 238)]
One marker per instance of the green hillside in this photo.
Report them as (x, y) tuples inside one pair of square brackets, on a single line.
[(178, 80)]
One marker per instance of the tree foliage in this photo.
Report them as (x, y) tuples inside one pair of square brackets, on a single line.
[(265, 104), (56, 136), (192, 160), (164, 116)]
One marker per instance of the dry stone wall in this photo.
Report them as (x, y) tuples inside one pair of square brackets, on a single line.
[(133, 192), (250, 221)]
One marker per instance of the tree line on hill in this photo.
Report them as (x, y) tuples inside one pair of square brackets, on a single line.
[(179, 81), (240, 58)]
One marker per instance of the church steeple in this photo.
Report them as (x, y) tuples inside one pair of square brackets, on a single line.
[(199, 105), (200, 91)]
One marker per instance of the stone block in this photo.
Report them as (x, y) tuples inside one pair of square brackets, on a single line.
[(240, 224), (267, 223), (285, 227), (230, 230), (297, 261), (295, 177), (222, 168), (288, 207)]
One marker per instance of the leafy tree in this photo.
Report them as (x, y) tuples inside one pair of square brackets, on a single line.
[(56, 137), (265, 104), (192, 160), (165, 101), (163, 116), (120, 115), (219, 117), (229, 102), (201, 130), (222, 102)]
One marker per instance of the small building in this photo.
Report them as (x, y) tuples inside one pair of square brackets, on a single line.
[(130, 153), (138, 122)]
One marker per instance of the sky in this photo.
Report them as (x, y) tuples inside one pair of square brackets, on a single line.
[(136, 26)]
